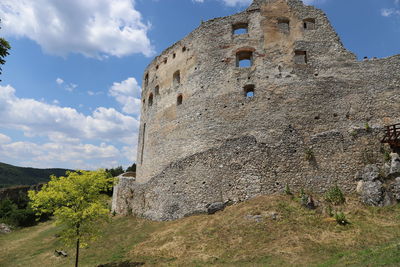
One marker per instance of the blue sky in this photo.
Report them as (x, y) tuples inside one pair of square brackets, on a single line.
[(70, 89)]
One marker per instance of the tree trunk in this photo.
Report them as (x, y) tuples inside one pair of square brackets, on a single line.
[(77, 246)]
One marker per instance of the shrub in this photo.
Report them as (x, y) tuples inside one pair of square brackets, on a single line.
[(309, 154), (335, 196), (341, 218), (11, 214), (386, 156), (367, 127), (287, 190), (329, 210)]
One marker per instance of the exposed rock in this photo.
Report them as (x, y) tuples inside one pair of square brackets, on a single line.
[(369, 174), (256, 218), (214, 207), (60, 253), (376, 189), (274, 215), (395, 164), (372, 193), (396, 189), (4, 228), (310, 203)]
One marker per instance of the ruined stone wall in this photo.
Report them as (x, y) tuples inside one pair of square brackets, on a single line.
[(310, 94)]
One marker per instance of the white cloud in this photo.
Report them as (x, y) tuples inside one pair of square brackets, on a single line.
[(69, 137), (70, 87), (59, 81), (94, 28), (38, 118), (53, 154), (313, 2), (4, 139), (387, 12), (127, 93), (231, 2)]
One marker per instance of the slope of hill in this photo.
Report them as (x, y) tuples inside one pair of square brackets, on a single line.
[(265, 231), (12, 175)]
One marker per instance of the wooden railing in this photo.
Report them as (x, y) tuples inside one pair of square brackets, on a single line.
[(392, 136)]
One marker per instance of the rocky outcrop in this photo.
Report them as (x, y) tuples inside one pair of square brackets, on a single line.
[(377, 188), (4, 228)]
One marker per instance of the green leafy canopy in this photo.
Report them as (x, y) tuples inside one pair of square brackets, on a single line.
[(4, 47), (76, 202)]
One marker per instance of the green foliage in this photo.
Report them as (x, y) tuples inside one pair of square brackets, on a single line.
[(114, 172), (309, 154), (287, 190), (367, 127), (330, 211), (12, 214), (335, 196), (12, 175), (131, 168), (341, 219), (77, 204), (4, 48), (386, 156)]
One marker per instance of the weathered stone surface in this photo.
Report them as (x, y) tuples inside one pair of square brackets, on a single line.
[(370, 173), (372, 193), (256, 218), (395, 164), (378, 190), (214, 207), (396, 189), (4, 228), (218, 144)]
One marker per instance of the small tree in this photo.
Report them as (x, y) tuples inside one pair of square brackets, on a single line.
[(77, 204), (131, 168), (4, 47)]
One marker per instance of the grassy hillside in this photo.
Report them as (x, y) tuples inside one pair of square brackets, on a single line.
[(297, 237), (12, 175)]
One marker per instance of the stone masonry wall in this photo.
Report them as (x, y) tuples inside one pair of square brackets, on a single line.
[(310, 94)]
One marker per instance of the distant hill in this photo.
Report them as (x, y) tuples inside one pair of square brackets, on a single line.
[(12, 175)]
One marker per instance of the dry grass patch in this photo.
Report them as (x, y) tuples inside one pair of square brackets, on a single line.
[(288, 234)]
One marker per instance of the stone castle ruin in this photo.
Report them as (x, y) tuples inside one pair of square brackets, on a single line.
[(247, 104)]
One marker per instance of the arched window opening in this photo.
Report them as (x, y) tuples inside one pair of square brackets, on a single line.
[(157, 67), (165, 60), (309, 24), (240, 28), (179, 100), (174, 55), (284, 25), (176, 78), (150, 99), (184, 49), (249, 91), (146, 80), (300, 57), (244, 59), (157, 90)]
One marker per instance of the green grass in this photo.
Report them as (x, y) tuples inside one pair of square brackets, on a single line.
[(299, 237)]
